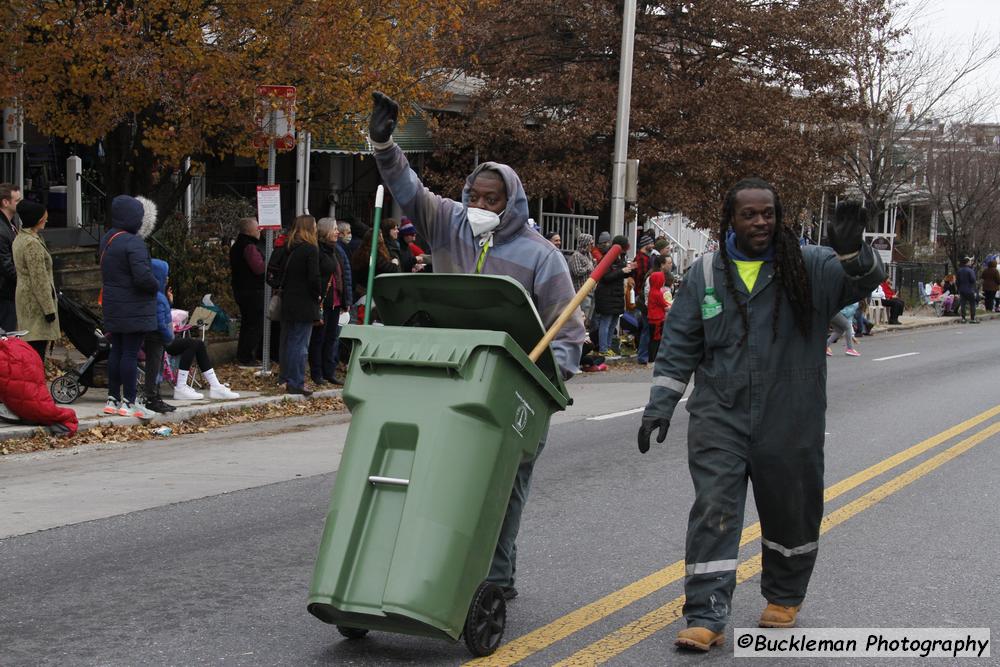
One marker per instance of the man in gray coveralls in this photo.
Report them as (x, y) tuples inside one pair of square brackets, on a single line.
[(750, 323)]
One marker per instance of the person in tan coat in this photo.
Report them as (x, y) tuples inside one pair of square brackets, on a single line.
[(35, 298)]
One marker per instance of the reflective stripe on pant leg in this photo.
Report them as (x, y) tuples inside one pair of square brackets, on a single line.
[(794, 551), (714, 525), (788, 490)]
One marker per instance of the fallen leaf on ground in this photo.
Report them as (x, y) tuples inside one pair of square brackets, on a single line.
[(202, 423)]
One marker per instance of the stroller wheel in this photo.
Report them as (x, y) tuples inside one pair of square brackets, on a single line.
[(66, 388)]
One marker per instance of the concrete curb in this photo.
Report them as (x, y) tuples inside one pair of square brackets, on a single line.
[(15, 431), (936, 322), (876, 331)]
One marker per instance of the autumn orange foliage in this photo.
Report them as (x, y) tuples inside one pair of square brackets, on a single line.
[(161, 80)]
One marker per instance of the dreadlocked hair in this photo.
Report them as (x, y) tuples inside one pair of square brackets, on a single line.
[(789, 266)]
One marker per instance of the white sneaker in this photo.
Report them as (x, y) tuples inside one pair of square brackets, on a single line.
[(140, 411), (124, 408), (111, 407), (222, 391), (184, 392)]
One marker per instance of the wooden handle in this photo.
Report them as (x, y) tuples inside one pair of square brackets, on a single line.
[(588, 286)]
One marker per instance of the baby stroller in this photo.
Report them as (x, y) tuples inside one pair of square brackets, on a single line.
[(84, 330)]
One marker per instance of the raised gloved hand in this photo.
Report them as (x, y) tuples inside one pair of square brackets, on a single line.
[(50, 317), (385, 112), (650, 424), (848, 227)]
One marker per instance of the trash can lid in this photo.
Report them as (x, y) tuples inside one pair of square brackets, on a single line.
[(465, 301)]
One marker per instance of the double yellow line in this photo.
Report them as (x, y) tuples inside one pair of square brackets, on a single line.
[(634, 632)]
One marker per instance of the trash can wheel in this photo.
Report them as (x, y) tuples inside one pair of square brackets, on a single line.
[(66, 388), (486, 621), (352, 633)]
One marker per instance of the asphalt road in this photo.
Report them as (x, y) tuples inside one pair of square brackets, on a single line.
[(909, 541)]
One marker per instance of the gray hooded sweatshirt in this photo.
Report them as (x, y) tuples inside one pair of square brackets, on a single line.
[(517, 251)]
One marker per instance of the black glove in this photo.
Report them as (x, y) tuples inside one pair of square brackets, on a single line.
[(50, 318), (383, 121), (848, 227), (650, 424)]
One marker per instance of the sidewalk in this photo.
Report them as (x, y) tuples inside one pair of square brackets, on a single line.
[(923, 319), (907, 322), (89, 410), (89, 407)]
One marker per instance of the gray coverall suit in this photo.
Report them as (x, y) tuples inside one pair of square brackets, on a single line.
[(757, 411)]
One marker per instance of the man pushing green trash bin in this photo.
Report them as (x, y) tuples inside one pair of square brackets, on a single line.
[(486, 233), (750, 324)]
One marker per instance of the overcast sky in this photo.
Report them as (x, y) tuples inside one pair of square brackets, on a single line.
[(954, 23)]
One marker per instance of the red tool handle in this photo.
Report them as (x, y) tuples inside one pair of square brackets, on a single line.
[(602, 267), (609, 258)]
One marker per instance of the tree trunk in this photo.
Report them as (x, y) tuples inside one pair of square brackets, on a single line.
[(131, 169)]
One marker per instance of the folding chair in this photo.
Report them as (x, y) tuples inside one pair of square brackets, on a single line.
[(877, 312)]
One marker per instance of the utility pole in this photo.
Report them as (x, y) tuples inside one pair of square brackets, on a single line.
[(621, 122), (265, 353)]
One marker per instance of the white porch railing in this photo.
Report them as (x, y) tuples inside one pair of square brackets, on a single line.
[(569, 227), (690, 242)]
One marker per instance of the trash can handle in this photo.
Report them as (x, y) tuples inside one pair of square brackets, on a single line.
[(609, 257), (389, 481)]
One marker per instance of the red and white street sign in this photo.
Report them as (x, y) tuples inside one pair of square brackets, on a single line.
[(269, 207), (287, 92), (274, 115)]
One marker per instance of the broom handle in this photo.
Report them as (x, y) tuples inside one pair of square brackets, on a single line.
[(379, 194), (609, 257)]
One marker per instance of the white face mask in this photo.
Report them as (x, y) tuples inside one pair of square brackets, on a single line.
[(482, 221)]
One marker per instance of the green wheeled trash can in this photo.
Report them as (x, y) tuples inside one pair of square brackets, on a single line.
[(445, 405)]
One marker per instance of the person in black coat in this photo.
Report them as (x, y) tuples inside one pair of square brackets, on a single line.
[(344, 248), (10, 196), (336, 296), (300, 300), (609, 297), (128, 300), (398, 250), (246, 265), (384, 263)]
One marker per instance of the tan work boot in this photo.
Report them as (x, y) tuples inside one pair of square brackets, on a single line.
[(777, 616), (698, 639)]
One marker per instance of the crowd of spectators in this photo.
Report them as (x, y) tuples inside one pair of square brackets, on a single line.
[(318, 272), (959, 293), (135, 301), (631, 300)]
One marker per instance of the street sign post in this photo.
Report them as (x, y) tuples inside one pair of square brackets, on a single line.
[(275, 117)]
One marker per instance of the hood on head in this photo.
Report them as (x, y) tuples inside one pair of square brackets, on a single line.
[(584, 242), (515, 216), (657, 280), (148, 217), (127, 213), (161, 270)]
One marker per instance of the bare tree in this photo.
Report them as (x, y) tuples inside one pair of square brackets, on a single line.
[(906, 88), (963, 185)]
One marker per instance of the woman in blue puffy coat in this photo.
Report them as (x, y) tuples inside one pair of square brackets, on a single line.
[(128, 299)]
